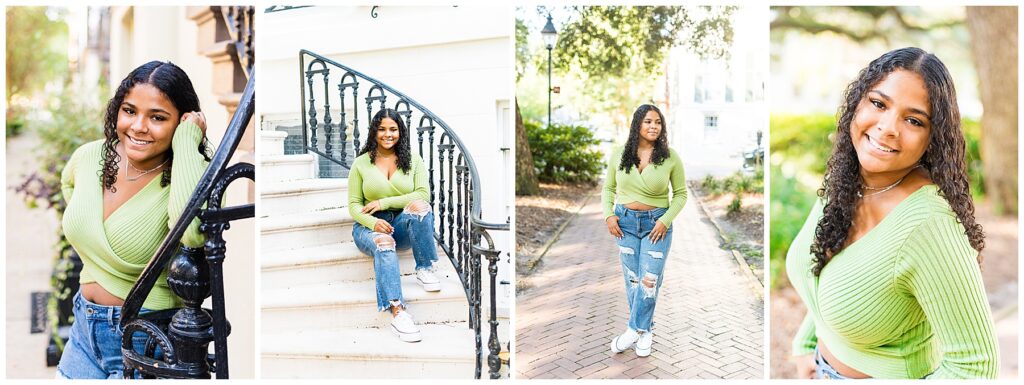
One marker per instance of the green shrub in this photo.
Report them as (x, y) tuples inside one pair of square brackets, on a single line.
[(734, 206), (564, 153)]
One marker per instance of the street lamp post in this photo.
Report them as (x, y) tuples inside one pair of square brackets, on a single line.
[(550, 37)]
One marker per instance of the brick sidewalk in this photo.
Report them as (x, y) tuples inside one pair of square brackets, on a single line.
[(709, 323)]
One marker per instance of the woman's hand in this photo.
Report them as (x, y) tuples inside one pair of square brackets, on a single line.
[(371, 207), (658, 233), (197, 118), (613, 226), (383, 226), (805, 366)]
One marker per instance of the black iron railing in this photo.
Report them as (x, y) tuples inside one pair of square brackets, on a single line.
[(454, 180), (193, 275), (240, 22)]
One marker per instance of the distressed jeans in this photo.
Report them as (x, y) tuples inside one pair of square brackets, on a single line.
[(412, 230), (823, 370), (643, 262), (93, 350)]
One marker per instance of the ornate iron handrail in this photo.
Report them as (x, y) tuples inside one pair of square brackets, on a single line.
[(455, 197), (185, 339), (240, 22)]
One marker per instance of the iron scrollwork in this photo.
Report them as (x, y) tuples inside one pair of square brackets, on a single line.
[(454, 181)]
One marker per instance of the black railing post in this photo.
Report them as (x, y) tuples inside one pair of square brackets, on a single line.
[(191, 328), (302, 97)]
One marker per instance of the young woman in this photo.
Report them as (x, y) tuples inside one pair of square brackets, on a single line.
[(387, 197), (123, 194), (639, 213), (888, 261)]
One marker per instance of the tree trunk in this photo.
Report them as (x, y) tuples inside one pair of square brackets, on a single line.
[(526, 178), (994, 47)]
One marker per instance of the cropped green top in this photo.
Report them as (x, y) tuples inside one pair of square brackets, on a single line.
[(366, 183), (904, 301), (115, 251), (650, 187)]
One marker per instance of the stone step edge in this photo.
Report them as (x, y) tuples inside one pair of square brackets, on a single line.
[(451, 289)]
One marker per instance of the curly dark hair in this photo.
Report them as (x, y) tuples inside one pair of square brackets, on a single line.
[(402, 148), (172, 81), (630, 158), (943, 158)]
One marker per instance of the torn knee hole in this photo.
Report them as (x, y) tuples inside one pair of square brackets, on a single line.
[(650, 283), (418, 208), (625, 250), (384, 242)]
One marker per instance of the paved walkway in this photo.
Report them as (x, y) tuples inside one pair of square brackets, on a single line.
[(709, 322), (31, 236)]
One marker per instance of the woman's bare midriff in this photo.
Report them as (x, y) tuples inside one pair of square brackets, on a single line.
[(639, 206), (840, 367), (96, 294)]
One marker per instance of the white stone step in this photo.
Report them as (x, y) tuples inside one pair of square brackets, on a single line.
[(354, 304), (333, 262), (315, 228), (276, 168), (447, 351), (302, 195), (272, 142)]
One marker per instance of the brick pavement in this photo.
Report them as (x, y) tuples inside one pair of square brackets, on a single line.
[(709, 323)]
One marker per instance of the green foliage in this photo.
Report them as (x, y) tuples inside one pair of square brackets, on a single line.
[(36, 51), (738, 183), (605, 40), (790, 204), (734, 206), (804, 141), (564, 153), (522, 48)]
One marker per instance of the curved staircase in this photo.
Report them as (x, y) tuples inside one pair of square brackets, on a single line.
[(319, 317)]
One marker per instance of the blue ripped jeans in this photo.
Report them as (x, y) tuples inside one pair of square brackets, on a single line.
[(411, 230), (642, 262), (93, 350), (823, 370)]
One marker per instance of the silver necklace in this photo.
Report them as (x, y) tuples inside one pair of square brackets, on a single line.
[(886, 188), (141, 172)]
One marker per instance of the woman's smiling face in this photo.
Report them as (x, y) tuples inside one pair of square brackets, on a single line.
[(387, 134), (145, 125), (891, 127)]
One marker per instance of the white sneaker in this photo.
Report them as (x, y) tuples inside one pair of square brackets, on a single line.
[(428, 280), (643, 345), (622, 342), (405, 328)]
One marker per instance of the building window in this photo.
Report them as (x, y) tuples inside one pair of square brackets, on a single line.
[(710, 125)]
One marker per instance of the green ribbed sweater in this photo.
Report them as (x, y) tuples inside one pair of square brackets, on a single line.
[(115, 251), (366, 183), (903, 301), (649, 187)]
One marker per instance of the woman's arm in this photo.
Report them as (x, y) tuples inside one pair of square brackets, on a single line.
[(608, 191), (187, 168), (678, 179), (940, 270), (421, 191), (67, 176), (356, 200), (806, 339)]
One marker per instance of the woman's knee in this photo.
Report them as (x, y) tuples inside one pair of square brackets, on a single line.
[(384, 242), (418, 208)]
